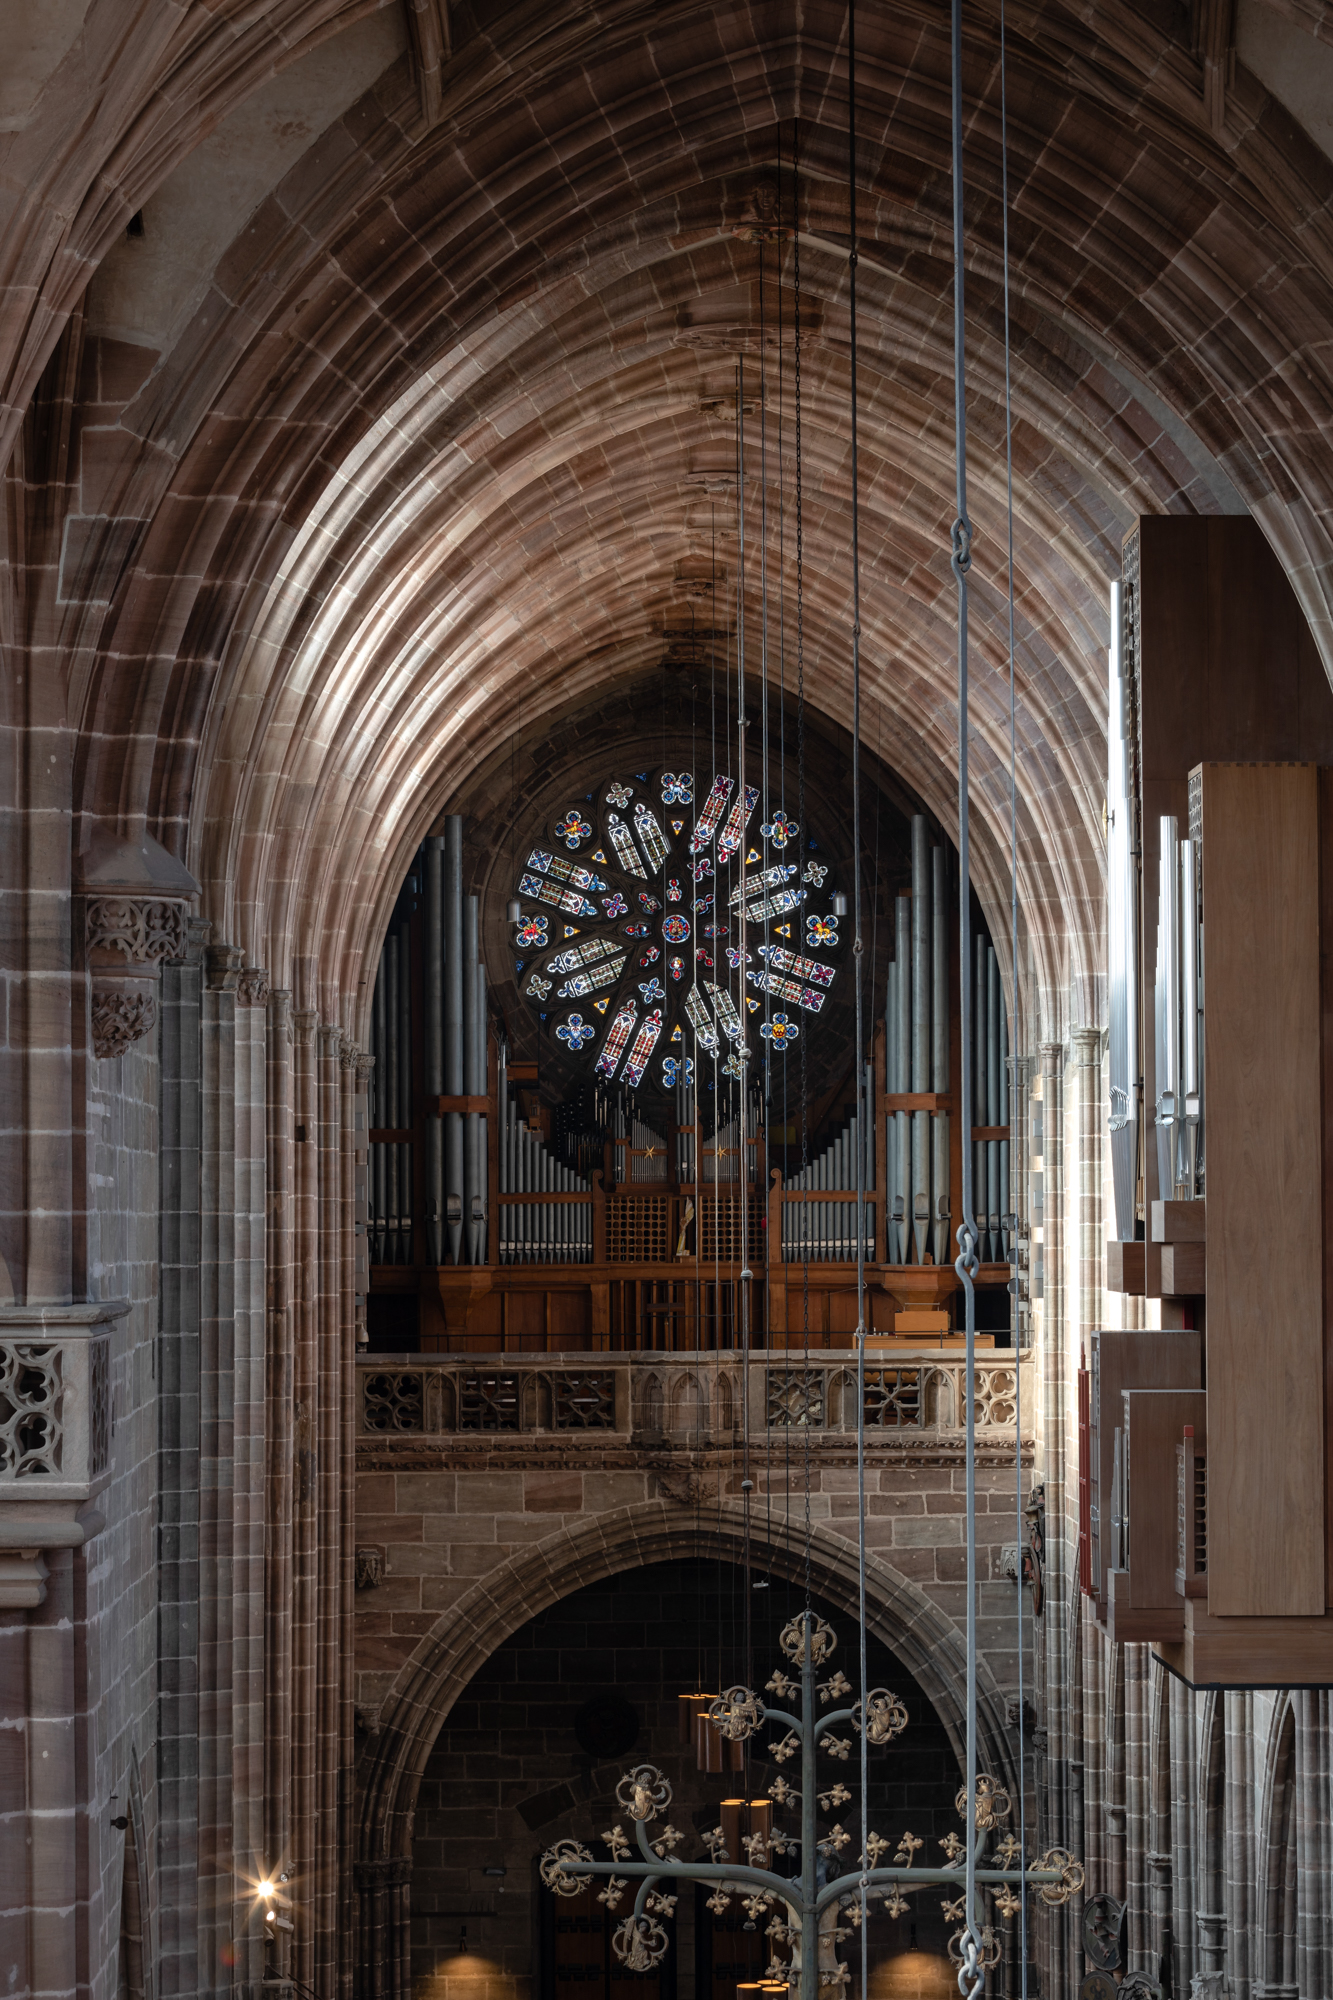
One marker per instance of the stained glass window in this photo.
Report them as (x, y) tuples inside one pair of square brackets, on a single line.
[(700, 974)]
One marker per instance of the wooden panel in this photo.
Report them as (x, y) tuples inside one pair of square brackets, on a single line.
[(1264, 1249), (1179, 1221), (1251, 1652), (1135, 1269), (1126, 1624), (1184, 1269), (1124, 1268), (1139, 1359), (1154, 1422)]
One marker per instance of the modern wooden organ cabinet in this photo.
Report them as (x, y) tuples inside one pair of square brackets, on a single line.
[(1206, 1492)]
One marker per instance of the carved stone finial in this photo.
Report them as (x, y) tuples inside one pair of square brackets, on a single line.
[(252, 987), (304, 1022), (146, 929), (121, 1015)]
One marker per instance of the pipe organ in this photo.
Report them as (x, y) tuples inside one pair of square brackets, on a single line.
[(508, 1210), (1220, 919), (824, 1232)]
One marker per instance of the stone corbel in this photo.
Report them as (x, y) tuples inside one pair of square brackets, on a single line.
[(55, 1436), (222, 967), (136, 916)]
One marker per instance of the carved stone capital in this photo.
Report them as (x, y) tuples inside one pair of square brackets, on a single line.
[(252, 988), (304, 1022), (122, 1014), (365, 1062), (222, 967), (144, 929)]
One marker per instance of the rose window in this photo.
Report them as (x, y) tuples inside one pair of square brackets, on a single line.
[(665, 927)]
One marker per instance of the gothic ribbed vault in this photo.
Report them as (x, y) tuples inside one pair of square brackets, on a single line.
[(448, 430)]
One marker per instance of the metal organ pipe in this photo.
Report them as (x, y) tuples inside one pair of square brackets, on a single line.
[(433, 1043), (977, 1114), (1122, 928), (483, 1175), (378, 1163), (453, 1032), (405, 1190), (993, 1041), (921, 1040), (392, 1208), (900, 1142), (473, 1197), (939, 1053)]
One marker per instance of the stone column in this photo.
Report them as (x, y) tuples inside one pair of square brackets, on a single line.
[(1059, 1969), (304, 1836), (1314, 1839), (178, 1474), (280, 1431), (218, 1914), (249, 1525), (1242, 1802), (330, 1543), (1137, 1797), (1184, 1830)]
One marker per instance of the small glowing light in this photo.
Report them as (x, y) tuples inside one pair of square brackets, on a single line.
[(266, 1889)]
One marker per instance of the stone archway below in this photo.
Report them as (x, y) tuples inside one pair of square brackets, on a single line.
[(908, 1621)]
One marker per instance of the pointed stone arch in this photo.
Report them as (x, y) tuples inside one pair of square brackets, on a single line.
[(901, 1615)]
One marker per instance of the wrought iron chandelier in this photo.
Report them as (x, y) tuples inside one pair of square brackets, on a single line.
[(640, 1941)]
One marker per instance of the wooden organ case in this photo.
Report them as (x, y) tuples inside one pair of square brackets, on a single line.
[(1206, 1487)]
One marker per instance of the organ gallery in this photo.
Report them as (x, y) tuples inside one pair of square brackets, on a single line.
[(664, 885)]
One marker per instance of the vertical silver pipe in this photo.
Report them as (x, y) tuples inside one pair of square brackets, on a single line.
[(502, 1140), (939, 1054), (483, 1122), (890, 1071), (903, 1044), (453, 1033), (405, 1162), (393, 1217), (921, 972), (473, 1194), (525, 1186), (979, 1087), (1005, 1208), (377, 1118), (433, 1038), (993, 1073)]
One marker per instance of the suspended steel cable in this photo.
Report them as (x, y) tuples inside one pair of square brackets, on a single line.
[(857, 954), (800, 820), (1019, 1516), (971, 1978)]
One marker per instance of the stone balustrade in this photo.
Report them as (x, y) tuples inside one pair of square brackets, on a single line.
[(689, 1398), (55, 1436)]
